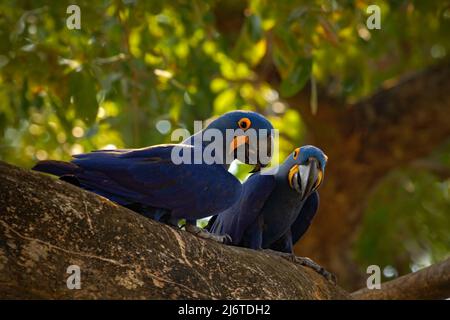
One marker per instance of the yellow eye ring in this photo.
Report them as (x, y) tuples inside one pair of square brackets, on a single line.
[(296, 153), (244, 123)]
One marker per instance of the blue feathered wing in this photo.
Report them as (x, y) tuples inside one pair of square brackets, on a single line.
[(149, 177)]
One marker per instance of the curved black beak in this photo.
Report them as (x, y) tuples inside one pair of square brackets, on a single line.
[(306, 178), (267, 153), (257, 167), (259, 151)]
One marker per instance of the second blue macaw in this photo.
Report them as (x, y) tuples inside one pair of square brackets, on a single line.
[(276, 207), (148, 181)]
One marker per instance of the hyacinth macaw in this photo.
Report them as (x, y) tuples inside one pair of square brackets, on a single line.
[(149, 182), (277, 206)]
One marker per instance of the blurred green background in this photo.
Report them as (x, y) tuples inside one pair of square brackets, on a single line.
[(136, 70)]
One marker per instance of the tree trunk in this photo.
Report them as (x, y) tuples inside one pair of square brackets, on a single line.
[(47, 225)]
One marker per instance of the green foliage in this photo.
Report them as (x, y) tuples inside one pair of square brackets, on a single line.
[(134, 63), (297, 77)]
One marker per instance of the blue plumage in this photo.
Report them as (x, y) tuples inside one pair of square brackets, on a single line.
[(276, 208)]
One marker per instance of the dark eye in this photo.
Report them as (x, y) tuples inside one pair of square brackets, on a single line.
[(296, 153), (244, 123)]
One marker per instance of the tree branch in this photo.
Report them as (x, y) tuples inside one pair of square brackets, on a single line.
[(432, 282), (46, 225), (433, 166)]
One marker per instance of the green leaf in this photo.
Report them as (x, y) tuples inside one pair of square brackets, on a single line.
[(297, 77), (225, 101), (280, 61), (255, 27), (83, 90)]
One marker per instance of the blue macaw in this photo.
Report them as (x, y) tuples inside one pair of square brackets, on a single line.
[(149, 182), (277, 206)]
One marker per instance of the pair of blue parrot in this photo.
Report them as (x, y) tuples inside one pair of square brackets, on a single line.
[(271, 210)]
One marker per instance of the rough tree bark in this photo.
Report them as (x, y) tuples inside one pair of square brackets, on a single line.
[(47, 225)]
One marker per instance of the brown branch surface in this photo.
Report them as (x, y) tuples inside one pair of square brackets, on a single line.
[(432, 282), (47, 225)]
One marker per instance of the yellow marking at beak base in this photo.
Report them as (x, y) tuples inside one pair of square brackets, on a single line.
[(291, 174), (319, 178), (237, 142), (296, 153)]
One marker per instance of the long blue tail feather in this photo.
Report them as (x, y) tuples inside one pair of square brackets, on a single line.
[(57, 168)]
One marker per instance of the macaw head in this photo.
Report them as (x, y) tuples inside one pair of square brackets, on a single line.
[(306, 169), (246, 124)]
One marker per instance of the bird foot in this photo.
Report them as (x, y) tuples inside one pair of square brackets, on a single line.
[(307, 262), (199, 232)]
